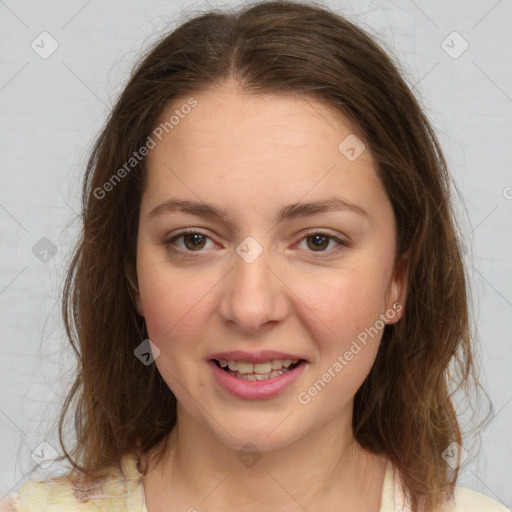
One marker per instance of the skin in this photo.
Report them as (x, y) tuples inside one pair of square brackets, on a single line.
[(252, 155)]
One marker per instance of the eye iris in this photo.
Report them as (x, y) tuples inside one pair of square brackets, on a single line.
[(319, 241), (197, 239)]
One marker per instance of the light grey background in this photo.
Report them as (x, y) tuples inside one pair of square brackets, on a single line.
[(51, 108)]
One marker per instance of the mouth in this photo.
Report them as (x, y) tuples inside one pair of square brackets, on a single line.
[(261, 371)]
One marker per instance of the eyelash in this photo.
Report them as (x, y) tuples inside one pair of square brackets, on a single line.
[(169, 241)]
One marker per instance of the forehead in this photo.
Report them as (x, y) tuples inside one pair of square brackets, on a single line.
[(229, 116), (278, 147)]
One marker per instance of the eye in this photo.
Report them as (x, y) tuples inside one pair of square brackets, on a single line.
[(192, 240), (319, 241)]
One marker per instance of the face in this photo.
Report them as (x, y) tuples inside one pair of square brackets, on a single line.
[(265, 263)]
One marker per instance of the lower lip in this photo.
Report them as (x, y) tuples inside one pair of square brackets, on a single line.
[(256, 389)]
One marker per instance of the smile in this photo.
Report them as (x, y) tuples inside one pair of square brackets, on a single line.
[(251, 376), (257, 371)]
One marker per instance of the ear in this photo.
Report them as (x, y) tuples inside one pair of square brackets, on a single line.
[(397, 293)]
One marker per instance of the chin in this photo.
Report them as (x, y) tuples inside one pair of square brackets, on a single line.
[(258, 435)]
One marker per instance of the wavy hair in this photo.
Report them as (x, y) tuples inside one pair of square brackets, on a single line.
[(404, 409)]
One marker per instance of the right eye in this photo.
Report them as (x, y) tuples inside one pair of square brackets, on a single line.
[(192, 240)]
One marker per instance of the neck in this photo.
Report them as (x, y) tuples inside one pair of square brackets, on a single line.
[(318, 471)]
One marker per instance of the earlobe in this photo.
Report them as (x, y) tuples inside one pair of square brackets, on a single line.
[(394, 313)]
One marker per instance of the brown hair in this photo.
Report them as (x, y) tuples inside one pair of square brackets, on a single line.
[(404, 408)]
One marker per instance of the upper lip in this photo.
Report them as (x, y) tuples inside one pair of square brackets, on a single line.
[(254, 357)]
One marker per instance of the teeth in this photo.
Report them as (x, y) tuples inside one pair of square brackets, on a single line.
[(276, 364), (262, 367), (255, 376), (242, 367), (258, 371)]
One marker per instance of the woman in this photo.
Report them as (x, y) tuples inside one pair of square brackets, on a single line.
[(268, 292)]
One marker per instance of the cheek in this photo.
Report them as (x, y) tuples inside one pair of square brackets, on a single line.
[(346, 301), (159, 299), (167, 321), (346, 328), (175, 305)]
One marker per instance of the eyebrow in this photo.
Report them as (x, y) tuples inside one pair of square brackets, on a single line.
[(289, 212)]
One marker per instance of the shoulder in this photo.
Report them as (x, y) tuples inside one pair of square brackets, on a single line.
[(119, 491), (462, 500), (467, 500)]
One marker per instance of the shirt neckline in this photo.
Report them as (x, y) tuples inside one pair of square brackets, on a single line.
[(392, 493)]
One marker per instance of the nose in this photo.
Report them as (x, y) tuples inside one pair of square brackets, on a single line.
[(254, 295)]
